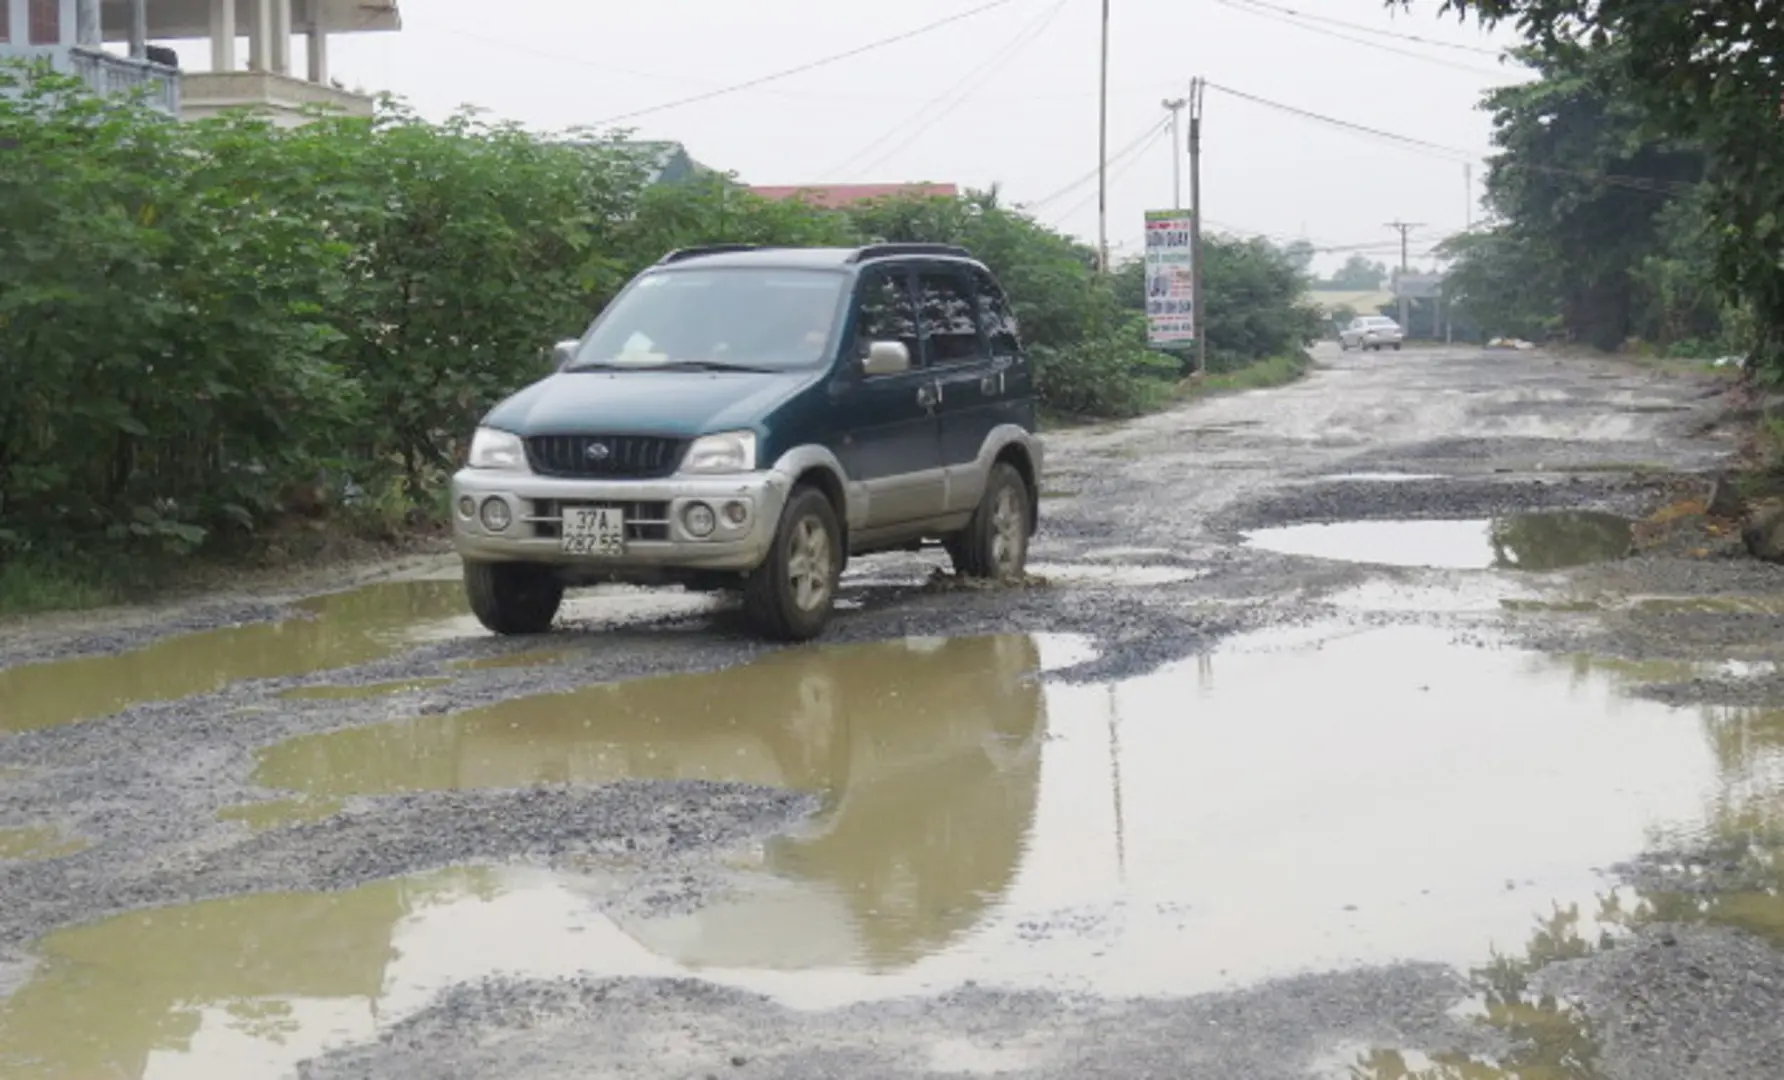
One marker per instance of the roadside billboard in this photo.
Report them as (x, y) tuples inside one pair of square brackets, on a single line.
[(1170, 278), (1418, 286)]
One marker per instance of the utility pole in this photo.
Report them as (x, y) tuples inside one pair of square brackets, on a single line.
[(1405, 227), (1176, 107), (1198, 88), (1468, 187), (1102, 153)]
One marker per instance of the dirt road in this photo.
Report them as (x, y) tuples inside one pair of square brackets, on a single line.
[(1335, 738)]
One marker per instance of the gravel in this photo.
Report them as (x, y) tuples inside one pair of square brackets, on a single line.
[(1510, 433)]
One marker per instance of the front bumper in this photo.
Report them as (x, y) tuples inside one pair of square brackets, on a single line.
[(657, 537)]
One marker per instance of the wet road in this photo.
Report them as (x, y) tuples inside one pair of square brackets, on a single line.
[(1337, 737)]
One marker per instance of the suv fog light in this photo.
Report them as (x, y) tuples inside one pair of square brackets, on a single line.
[(736, 513), (699, 519), (467, 507), (495, 515)]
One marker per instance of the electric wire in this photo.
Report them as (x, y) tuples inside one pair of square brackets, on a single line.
[(954, 97), (809, 65)]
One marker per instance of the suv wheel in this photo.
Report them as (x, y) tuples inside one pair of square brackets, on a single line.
[(994, 544), (790, 595), (513, 598)]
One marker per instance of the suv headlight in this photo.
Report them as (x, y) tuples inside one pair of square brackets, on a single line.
[(493, 449), (726, 452)]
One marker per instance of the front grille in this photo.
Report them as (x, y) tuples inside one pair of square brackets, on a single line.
[(627, 457), (644, 520)]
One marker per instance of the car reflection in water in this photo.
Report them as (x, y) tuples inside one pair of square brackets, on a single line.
[(925, 754)]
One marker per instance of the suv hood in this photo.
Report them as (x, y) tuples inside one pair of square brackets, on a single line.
[(674, 403)]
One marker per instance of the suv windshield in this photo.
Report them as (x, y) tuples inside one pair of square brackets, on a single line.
[(756, 319)]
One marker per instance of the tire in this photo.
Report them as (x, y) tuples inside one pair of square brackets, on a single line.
[(1396, 346), (994, 544), (513, 598), (783, 599)]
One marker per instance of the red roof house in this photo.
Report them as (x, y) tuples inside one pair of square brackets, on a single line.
[(836, 196)]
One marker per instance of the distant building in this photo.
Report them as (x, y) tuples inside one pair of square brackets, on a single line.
[(72, 34), (837, 196)]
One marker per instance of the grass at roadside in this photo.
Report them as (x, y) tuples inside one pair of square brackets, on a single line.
[(1276, 371), (29, 587), (35, 585)]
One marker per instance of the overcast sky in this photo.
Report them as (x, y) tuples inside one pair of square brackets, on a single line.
[(1007, 96)]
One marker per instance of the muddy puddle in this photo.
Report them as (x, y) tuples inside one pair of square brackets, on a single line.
[(1300, 800), (327, 632), (339, 630), (1536, 542)]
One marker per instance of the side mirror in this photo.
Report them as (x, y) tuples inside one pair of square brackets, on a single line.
[(886, 358), (563, 352)]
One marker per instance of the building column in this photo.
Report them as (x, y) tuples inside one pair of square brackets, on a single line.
[(139, 29), (282, 36), (86, 24), (318, 50), (222, 35), (260, 36)]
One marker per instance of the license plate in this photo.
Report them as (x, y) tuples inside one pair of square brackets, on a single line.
[(594, 531)]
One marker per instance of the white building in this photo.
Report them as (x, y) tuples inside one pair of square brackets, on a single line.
[(72, 35)]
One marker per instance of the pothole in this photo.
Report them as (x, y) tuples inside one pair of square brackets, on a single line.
[(1235, 817), (1109, 574), (1534, 542), (1378, 477)]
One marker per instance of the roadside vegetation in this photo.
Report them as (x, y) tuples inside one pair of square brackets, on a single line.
[(225, 338), (1632, 199)]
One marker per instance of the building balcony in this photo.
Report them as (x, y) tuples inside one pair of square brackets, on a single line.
[(110, 75), (287, 100)]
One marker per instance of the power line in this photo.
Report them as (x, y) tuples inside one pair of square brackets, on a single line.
[(1451, 153), (1134, 89), (1268, 13), (961, 91), (1138, 155), (1151, 131), (808, 66), (1361, 129), (1376, 30)]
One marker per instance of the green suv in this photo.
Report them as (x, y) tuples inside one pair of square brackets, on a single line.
[(748, 418)]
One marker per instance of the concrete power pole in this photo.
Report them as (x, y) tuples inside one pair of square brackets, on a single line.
[(1404, 227), (1198, 88), (1102, 153), (1176, 107)]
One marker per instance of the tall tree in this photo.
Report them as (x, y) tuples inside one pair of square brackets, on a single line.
[(1707, 71), (1359, 274), (1583, 184)]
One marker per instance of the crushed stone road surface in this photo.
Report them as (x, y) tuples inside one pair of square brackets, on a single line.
[(1281, 746)]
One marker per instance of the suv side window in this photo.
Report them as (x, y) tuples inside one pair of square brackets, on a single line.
[(995, 317), (950, 318), (887, 312)]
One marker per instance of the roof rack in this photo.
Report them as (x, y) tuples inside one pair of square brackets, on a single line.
[(680, 254), (882, 251)]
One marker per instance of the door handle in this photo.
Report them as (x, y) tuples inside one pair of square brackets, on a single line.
[(929, 395), (993, 384)]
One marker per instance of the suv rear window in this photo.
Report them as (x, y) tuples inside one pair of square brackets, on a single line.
[(950, 318)]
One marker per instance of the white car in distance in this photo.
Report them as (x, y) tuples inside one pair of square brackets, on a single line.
[(1371, 332)]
